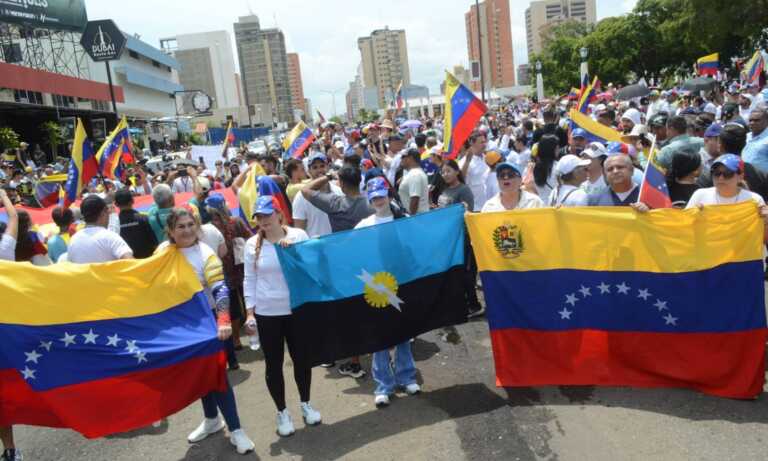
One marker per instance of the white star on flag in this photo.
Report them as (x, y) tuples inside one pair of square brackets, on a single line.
[(32, 356), (643, 294), (28, 374), (46, 345), (113, 340), (571, 299), (68, 339), (131, 346), (90, 337), (391, 297), (662, 305), (604, 288), (141, 356), (565, 314), (585, 291), (623, 288), (670, 320)]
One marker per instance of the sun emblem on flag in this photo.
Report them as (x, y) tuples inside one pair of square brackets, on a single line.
[(380, 290), (508, 240)]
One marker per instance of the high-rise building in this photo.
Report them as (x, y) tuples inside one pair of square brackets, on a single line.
[(297, 87), (207, 64), (495, 42), (384, 56), (264, 69), (524, 74), (543, 14)]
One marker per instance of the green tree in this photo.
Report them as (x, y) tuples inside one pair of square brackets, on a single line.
[(560, 57), (336, 119), (53, 135), (8, 139)]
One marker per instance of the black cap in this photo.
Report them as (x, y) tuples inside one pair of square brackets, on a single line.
[(659, 119), (123, 197)]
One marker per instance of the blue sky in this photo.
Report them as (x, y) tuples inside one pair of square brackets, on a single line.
[(325, 33)]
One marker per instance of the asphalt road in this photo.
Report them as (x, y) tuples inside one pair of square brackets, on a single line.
[(460, 415)]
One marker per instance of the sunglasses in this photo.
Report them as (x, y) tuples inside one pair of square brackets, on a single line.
[(727, 174), (508, 175)]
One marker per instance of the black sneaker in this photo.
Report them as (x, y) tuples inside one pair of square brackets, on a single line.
[(11, 454), (328, 365), (351, 369), (475, 311)]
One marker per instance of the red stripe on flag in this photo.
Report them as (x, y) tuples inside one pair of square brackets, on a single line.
[(465, 125), (297, 154), (722, 364), (109, 406), (653, 197)]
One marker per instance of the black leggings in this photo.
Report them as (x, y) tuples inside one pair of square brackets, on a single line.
[(274, 332)]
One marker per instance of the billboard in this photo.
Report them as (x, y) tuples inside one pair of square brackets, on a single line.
[(49, 14)]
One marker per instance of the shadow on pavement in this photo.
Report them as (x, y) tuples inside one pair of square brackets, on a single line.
[(217, 447), (333, 441), (158, 428)]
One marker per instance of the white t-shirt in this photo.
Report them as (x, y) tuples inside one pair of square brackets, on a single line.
[(527, 200), (211, 236), (264, 286), (549, 185), (596, 187), (709, 196), (182, 184), (476, 174), (391, 171), (95, 244), (568, 196), (317, 220), (373, 220), (206, 264), (7, 248), (491, 185), (415, 184)]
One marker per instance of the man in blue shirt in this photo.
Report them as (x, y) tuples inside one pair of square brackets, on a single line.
[(756, 150)]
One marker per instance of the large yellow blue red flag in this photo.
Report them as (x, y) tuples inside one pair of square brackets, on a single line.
[(105, 348), (462, 112), (297, 141), (708, 65), (609, 296), (587, 93), (595, 131), (110, 155), (753, 68), (82, 166)]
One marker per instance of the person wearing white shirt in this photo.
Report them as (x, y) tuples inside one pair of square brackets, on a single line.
[(307, 216), (267, 302), (183, 182), (8, 237), (95, 243), (595, 181), (511, 196), (571, 172), (474, 169), (414, 186), (727, 173)]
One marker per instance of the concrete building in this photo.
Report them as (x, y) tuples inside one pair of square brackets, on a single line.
[(495, 42), (384, 56), (206, 63), (297, 87), (264, 69), (524, 74), (542, 14)]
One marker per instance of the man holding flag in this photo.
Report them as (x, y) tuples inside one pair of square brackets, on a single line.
[(82, 166)]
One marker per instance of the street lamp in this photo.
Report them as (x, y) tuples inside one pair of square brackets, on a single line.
[(584, 71), (539, 82)]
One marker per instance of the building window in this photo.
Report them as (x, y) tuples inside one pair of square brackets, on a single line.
[(63, 101), (28, 97), (102, 106), (133, 54), (155, 63)]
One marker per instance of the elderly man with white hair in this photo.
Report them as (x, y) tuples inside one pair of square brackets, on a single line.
[(621, 191), (158, 214)]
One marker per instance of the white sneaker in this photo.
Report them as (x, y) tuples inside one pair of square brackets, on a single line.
[(381, 400), (311, 416), (206, 428), (284, 424), (412, 389), (241, 441)]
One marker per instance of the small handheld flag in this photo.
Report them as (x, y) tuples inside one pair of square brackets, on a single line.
[(708, 65), (115, 151), (298, 140), (82, 166), (654, 191), (753, 68), (587, 93), (462, 112), (229, 139)]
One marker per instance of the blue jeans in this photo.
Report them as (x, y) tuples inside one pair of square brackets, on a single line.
[(404, 372), (225, 401)]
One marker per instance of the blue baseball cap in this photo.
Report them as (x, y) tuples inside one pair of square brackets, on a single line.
[(377, 187), (731, 161), (579, 133), (507, 166), (216, 201), (317, 156), (713, 130), (266, 205)]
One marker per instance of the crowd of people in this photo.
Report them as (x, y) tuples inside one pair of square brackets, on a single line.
[(522, 154)]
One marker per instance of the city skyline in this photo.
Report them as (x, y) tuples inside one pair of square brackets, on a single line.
[(326, 39)]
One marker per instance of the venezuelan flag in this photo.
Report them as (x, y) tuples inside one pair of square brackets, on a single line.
[(109, 347), (110, 154), (595, 131), (607, 296), (574, 93), (366, 290), (587, 93), (709, 64), (462, 112), (229, 139), (654, 191), (82, 166), (298, 140), (753, 68), (47, 193)]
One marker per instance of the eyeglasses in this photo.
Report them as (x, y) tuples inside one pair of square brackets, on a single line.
[(727, 174), (508, 175)]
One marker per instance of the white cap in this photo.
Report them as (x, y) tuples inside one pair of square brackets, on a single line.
[(594, 150), (633, 115), (570, 162), (205, 184)]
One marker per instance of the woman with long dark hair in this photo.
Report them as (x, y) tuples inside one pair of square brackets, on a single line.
[(29, 244), (545, 161), (183, 227), (268, 307)]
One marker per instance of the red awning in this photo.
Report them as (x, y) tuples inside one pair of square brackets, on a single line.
[(25, 78)]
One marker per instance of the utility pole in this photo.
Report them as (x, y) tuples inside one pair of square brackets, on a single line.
[(480, 51)]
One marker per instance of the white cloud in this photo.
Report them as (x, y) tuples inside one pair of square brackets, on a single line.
[(325, 33)]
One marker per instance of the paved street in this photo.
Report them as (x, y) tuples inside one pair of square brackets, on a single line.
[(460, 415)]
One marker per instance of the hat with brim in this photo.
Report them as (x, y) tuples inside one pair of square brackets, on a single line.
[(635, 134), (266, 205), (387, 123), (507, 166), (570, 162), (376, 187), (732, 162)]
